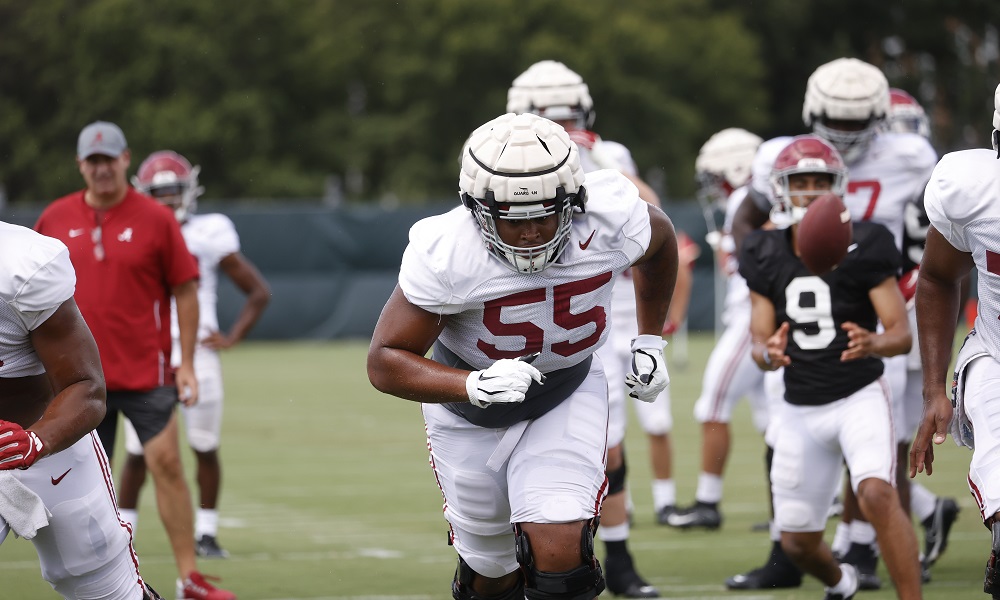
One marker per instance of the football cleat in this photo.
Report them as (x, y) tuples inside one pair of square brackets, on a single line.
[(699, 514), (624, 581), (197, 587), (864, 557), (991, 585), (777, 572), (663, 515), (937, 527), (848, 571), (208, 547)]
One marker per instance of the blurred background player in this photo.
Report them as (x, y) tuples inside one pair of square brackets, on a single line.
[(723, 170), (551, 90), (963, 204), (821, 331), (846, 103), (130, 259), (491, 291), (212, 239), (935, 514)]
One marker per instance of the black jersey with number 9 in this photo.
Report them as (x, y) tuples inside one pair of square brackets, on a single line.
[(816, 307)]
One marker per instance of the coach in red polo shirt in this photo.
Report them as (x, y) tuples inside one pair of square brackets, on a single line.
[(130, 258)]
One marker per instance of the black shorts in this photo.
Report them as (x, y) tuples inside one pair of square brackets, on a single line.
[(149, 412)]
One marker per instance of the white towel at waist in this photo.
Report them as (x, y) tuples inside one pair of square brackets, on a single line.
[(21, 508)]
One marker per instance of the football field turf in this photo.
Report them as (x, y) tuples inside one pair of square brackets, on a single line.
[(328, 495)]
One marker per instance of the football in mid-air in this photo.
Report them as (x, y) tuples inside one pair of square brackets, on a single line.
[(824, 234)]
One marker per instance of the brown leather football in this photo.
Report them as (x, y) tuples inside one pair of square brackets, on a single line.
[(824, 234)]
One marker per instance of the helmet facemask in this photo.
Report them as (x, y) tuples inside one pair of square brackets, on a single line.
[(530, 259), (852, 144)]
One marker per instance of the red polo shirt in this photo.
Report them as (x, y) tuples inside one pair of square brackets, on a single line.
[(127, 260)]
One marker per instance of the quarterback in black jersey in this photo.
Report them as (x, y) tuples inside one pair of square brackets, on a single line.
[(823, 331)]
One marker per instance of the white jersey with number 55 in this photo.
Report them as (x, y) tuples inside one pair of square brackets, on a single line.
[(497, 313)]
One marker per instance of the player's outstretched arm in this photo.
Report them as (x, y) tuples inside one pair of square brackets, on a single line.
[(396, 357), (67, 350), (655, 274), (938, 302)]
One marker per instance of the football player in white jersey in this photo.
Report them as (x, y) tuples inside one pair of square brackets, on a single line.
[(550, 89), (935, 514), (212, 239), (513, 291), (846, 103), (53, 469), (723, 170), (963, 206)]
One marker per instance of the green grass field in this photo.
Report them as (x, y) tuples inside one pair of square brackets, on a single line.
[(328, 496)]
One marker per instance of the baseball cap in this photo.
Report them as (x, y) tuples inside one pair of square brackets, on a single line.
[(101, 137)]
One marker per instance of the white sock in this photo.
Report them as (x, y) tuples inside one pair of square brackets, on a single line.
[(709, 488), (130, 516), (922, 501), (664, 493), (615, 533), (846, 583), (841, 538), (206, 522), (775, 533), (862, 532)]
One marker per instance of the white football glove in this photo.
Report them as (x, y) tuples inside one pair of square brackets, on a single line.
[(647, 375), (505, 381)]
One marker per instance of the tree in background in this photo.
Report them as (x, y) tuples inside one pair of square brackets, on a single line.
[(370, 100)]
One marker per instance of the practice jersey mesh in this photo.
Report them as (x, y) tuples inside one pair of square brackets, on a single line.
[(963, 203), (36, 277)]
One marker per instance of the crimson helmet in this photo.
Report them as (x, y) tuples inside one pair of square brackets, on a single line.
[(170, 178), (804, 154), (906, 115)]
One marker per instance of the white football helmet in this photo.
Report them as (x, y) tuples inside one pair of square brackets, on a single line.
[(906, 115), (170, 178), (551, 90), (724, 161), (846, 89), (522, 167), (804, 154)]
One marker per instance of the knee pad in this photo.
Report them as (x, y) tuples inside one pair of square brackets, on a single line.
[(616, 478), (461, 587), (582, 583)]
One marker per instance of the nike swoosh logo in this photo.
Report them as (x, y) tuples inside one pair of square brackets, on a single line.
[(583, 245), (56, 480), (75, 233)]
